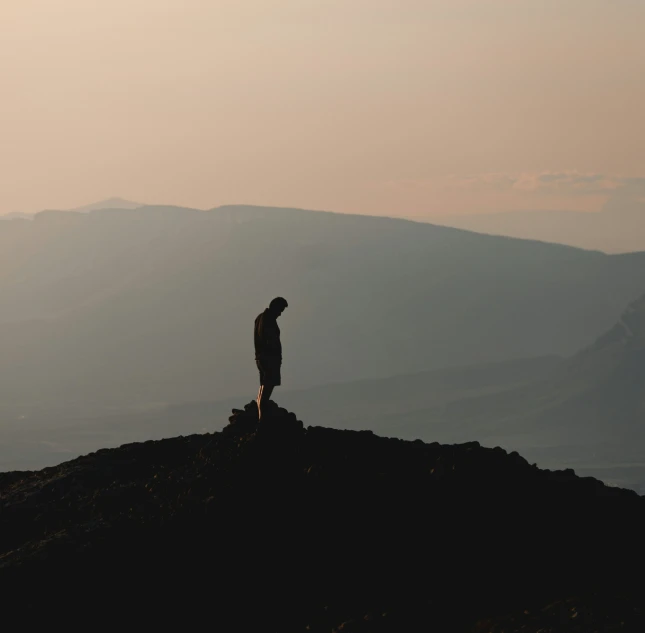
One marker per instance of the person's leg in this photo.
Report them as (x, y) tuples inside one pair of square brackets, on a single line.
[(265, 396), (259, 400)]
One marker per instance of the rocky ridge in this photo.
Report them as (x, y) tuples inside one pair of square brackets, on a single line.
[(275, 527)]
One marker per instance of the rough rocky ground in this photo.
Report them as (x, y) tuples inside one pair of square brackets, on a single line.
[(273, 527)]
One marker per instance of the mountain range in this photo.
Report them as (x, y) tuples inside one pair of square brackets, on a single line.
[(155, 305)]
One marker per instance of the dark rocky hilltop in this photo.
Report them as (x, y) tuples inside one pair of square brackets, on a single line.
[(274, 527)]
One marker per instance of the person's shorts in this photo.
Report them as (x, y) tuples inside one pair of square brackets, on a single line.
[(269, 371)]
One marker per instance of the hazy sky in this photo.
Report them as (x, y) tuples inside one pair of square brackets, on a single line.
[(398, 107)]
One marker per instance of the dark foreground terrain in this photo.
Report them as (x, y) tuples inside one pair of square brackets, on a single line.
[(273, 527)]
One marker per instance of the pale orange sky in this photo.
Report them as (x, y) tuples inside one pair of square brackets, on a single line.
[(396, 107)]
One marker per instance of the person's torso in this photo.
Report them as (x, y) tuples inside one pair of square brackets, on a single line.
[(266, 336)]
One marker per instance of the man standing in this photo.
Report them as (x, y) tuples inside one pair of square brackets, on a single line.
[(268, 350)]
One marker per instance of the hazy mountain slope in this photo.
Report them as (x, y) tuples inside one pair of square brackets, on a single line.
[(597, 394), (588, 412), (156, 304), (280, 528)]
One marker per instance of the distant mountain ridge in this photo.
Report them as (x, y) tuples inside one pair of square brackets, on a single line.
[(619, 228), (109, 203), (16, 216)]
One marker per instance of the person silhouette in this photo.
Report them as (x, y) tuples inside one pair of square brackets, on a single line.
[(268, 350)]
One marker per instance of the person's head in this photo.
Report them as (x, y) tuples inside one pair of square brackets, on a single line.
[(278, 305)]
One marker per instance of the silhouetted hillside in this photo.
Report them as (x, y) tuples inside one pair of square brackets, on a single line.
[(153, 305), (279, 528)]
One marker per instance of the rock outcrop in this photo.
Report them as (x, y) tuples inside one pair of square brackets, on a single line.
[(274, 527)]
